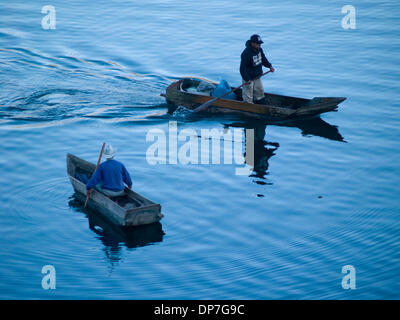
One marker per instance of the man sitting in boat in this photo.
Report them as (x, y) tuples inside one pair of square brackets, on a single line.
[(252, 60), (110, 176)]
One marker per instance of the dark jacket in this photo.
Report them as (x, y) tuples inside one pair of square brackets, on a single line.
[(252, 61)]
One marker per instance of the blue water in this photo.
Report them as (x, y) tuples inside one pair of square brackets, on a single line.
[(324, 192)]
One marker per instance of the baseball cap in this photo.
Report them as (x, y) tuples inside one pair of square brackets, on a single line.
[(256, 38)]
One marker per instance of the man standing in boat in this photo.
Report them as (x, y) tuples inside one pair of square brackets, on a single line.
[(252, 60), (110, 176)]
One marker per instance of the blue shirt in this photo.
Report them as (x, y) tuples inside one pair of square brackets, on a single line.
[(111, 174)]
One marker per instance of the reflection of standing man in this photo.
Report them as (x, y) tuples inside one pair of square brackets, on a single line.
[(252, 60), (263, 151)]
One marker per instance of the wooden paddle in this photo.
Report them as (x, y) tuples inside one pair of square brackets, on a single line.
[(98, 163), (210, 102)]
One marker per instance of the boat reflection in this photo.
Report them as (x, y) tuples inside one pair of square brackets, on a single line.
[(315, 127), (264, 150), (114, 237)]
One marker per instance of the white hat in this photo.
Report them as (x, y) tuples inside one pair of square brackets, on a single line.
[(109, 151)]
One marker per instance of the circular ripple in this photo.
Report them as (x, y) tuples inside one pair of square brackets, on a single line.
[(50, 193)]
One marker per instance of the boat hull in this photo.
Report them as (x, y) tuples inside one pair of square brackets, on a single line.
[(276, 107)]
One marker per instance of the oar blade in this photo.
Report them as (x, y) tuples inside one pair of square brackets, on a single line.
[(204, 106)]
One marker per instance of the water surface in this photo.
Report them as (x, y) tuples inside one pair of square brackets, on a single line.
[(323, 192)]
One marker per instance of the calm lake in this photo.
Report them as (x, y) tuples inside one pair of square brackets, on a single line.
[(323, 193)]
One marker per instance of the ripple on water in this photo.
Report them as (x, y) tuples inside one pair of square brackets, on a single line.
[(49, 191)]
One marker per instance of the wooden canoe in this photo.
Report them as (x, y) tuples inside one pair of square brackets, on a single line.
[(132, 209), (276, 107)]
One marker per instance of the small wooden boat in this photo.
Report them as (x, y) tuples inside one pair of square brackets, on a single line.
[(276, 107), (131, 209)]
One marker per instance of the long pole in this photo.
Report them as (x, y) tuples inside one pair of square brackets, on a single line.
[(98, 163)]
